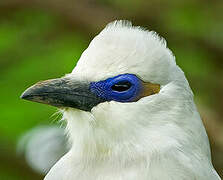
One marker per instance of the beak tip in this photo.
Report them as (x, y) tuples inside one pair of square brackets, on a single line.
[(24, 95)]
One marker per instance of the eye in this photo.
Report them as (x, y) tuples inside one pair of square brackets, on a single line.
[(121, 86)]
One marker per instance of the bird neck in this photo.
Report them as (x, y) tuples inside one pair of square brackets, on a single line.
[(91, 142)]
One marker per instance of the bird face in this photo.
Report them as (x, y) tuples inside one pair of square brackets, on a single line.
[(125, 81), (115, 67), (121, 64)]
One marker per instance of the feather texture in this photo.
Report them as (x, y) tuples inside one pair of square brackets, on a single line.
[(158, 137)]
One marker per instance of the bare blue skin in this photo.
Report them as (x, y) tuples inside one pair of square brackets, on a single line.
[(121, 88)]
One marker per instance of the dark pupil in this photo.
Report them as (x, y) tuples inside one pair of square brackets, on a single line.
[(121, 86)]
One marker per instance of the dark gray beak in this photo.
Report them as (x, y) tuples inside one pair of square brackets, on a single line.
[(63, 92)]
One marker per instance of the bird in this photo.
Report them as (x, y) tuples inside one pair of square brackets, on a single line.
[(129, 110)]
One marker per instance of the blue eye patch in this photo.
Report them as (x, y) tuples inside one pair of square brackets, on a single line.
[(121, 88)]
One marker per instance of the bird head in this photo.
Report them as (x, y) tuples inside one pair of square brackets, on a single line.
[(126, 92)]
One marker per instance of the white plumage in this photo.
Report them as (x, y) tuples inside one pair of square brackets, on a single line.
[(159, 137)]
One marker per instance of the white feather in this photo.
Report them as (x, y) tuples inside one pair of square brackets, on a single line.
[(158, 137)]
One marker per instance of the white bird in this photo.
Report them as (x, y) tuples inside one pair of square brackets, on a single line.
[(130, 112)]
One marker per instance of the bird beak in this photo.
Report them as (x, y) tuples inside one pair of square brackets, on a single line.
[(63, 92)]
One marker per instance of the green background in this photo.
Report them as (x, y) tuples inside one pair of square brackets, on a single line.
[(44, 39)]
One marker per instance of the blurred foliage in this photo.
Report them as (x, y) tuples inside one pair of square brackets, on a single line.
[(32, 48), (43, 40), (29, 53)]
